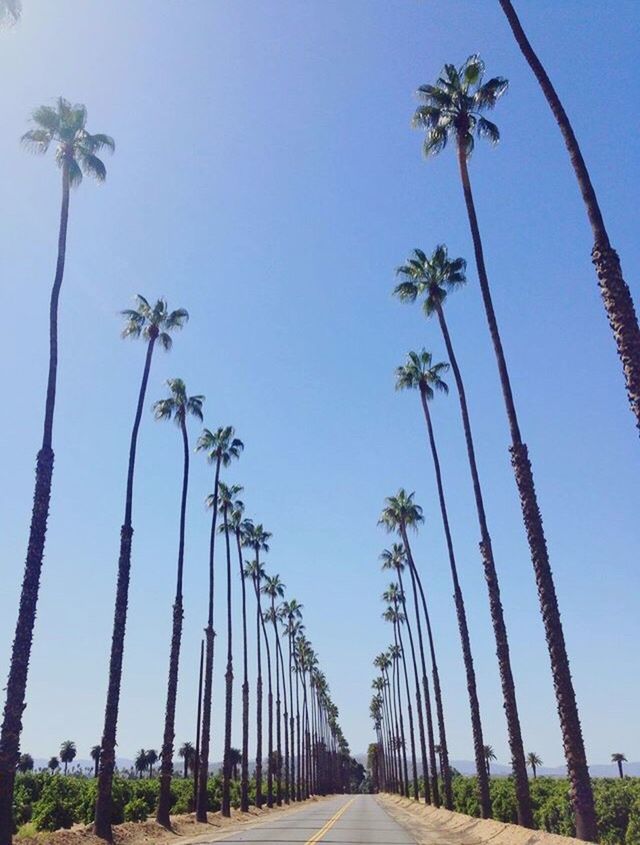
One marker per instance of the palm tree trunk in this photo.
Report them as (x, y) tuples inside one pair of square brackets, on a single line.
[(285, 723), (437, 692), (278, 712), (412, 740), (298, 744), (259, 799), (581, 791), (525, 817), (474, 705), (108, 744), (398, 739), (21, 651), (196, 760), (293, 790), (228, 707), (269, 714), (244, 780), (166, 768), (421, 735), (202, 795), (615, 292), (620, 772)]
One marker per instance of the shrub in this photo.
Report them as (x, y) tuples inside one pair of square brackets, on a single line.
[(136, 810), (59, 804), (632, 836)]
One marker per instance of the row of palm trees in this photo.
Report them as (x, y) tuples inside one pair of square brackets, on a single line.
[(314, 759), (453, 109)]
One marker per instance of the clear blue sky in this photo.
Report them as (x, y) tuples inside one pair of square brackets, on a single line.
[(266, 178)]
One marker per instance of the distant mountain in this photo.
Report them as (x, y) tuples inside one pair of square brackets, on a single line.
[(597, 770)]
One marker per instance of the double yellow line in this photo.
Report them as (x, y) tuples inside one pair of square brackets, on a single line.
[(318, 836)]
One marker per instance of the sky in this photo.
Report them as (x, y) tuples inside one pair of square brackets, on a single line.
[(267, 179)]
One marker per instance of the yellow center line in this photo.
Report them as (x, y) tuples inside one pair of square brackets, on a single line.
[(327, 827)]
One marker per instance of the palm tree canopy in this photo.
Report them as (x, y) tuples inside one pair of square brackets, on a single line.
[(67, 751), (394, 558), (401, 511), (186, 750), (95, 752), (53, 763), (227, 499), (220, 445), (489, 753), (254, 570), (430, 276), (153, 321), (178, 405), (420, 372), (151, 757), (65, 125), (618, 758), (141, 760), (257, 538), (273, 587), (10, 11), (454, 106), (533, 759)]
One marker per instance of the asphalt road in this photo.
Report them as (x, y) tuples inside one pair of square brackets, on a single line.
[(342, 820)]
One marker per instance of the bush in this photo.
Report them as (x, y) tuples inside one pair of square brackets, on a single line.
[(632, 836), (59, 804), (136, 810)]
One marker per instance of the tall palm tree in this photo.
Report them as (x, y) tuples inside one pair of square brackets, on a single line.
[(95, 756), (178, 406), (489, 755), (274, 589), (397, 656), (291, 613), (616, 296), (241, 528), (257, 538), (188, 755), (151, 759), (154, 325), (420, 372), (67, 753), (76, 154), (432, 277), (394, 559), (140, 762), (227, 501), (453, 108), (534, 761), (619, 759), (221, 447), (53, 764), (399, 514), (10, 11)]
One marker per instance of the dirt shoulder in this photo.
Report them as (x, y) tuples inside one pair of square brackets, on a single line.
[(431, 826), (185, 829)]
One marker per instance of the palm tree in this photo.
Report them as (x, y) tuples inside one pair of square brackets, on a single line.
[(433, 277), (95, 756), (399, 514), (619, 759), (151, 759), (10, 11), (53, 764), (188, 755), (221, 447), (291, 613), (241, 527), (227, 501), (397, 655), (67, 753), (274, 588), (489, 755), (140, 762), (453, 108), (177, 407), (616, 296), (394, 559), (534, 761), (420, 372), (153, 324), (76, 154), (257, 539), (25, 763)]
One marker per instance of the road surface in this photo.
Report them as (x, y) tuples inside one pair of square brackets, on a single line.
[(342, 820)]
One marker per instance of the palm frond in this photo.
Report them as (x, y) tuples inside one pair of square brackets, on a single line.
[(487, 129), (37, 140), (92, 165)]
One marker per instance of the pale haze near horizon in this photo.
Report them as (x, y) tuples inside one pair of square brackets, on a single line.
[(266, 178)]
